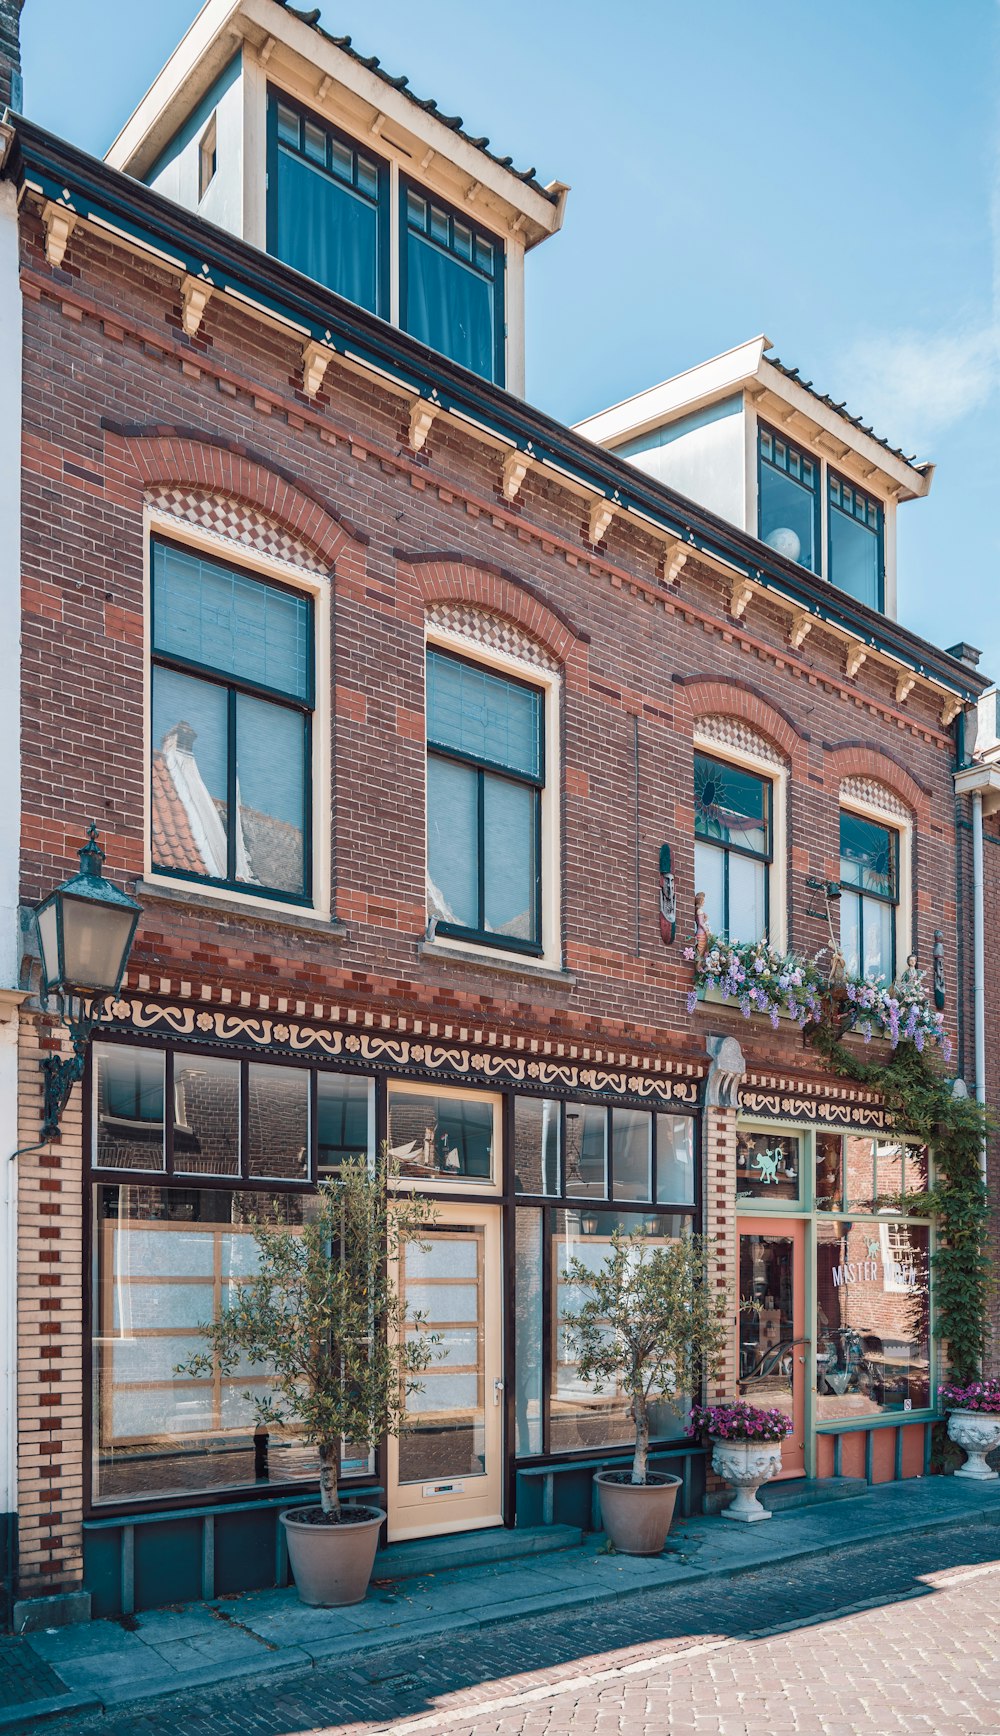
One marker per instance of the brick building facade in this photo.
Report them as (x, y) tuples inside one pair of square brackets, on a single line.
[(264, 430)]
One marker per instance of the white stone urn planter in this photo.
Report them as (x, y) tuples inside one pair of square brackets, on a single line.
[(745, 1465), (977, 1433)]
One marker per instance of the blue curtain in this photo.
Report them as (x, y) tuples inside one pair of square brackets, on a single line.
[(327, 232), (449, 307)]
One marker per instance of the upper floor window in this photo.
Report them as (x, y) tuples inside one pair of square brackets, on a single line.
[(232, 698), (733, 847), (855, 536), (788, 494), (451, 285), (869, 877), (485, 776), (327, 206)]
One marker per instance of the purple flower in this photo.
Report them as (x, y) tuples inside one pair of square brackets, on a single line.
[(692, 1000)]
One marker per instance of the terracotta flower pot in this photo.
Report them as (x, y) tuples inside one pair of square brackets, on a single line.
[(332, 1564), (637, 1516), (978, 1432)]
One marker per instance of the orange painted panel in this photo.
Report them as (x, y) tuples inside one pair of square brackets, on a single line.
[(883, 1455), (852, 1454), (824, 1455), (913, 1450)]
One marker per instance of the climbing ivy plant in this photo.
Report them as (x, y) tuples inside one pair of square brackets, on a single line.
[(921, 1102)]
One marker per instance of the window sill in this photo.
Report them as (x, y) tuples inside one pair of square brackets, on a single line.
[(506, 963), (715, 998), (229, 907)]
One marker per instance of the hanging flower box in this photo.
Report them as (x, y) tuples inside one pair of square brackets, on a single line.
[(758, 978), (900, 1013)]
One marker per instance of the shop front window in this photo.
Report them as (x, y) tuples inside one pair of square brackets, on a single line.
[(872, 1318), (443, 1135), (769, 1167), (165, 1261)]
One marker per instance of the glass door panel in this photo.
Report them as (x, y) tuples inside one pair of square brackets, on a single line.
[(773, 1352), (445, 1470)]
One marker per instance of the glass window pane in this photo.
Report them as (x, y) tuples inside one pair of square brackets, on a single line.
[(463, 241), (787, 507), (850, 932), (314, 143), (860, 1162), (278, 1121), (510, 857), (730, 805), (367, 177), (747, 898), (270, 784), (484, 254), (768, 1166), (416, 209), (879, 920), (855, 557), (327, 231), (446, 1435), (344, 1114), (586, 1151), (441, 1134), (675, 1171), (439, 225), (581, 1417), (482, 715), (889, 1171), (128, 1096), (536, 1145), (189, 774), (450, 307), (709, 877), (453, 842), (529, 1325), (288, 124), (632, 1154), (341, 160), (872, 1324), (918, 1169), (206, 1115), (829, 1172), (868, 855), (161, 1259), (222, 619)]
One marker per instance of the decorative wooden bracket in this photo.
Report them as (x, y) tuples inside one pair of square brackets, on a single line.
[(472, 192), (856, 655), (316, 358), (950, 710), (739, 598), (515, 468), (59, 226), (904, 686), (601, 514), (673, 562), (195, 293), (267, 50), (800, 628), (422, 414)]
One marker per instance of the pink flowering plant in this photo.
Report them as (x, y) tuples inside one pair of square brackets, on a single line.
[(759, 978), (901, 1012), (738, 1421), (979, 1395)]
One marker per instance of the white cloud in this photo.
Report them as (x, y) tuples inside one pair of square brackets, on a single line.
[(914, 384)]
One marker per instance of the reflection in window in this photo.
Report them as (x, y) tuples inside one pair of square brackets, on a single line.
[(129, 1108), (675, 1163), (452, 286), (441, 1134), (529, 1327), (789, 500), (631, 1154), (344, 1118), (732, 851), (206, 1115), (869, 877), (164, 1262), (442, 1278), (536, 1145), (278, 1122), (829, 1172), (586, 1151), (856, 564), (873, 1323), (324, 198), (768, 1166)]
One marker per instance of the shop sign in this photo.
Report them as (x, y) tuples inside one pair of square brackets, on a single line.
[(867, 1272)]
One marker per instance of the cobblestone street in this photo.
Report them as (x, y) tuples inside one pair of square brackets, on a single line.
[(902, 1636)]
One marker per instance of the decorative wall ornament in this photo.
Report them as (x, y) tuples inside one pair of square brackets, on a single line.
[(316, 358), (230, 521), (496, 632), (422, 414), (800, 628), (874, 795), (515, 468), (601, 514), (856, 655), (733, 732), (421, 1058), (939, 989), (195, 294), (668, 898), (702, 934), (740, 596), (59, 223), (776, 1105), (726, 1073)]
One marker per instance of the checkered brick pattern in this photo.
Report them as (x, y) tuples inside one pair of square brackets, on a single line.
[(733, 732), (874, 795), (228, 522), (479, 627)]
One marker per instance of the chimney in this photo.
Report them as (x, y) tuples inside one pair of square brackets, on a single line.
[(11, 86)]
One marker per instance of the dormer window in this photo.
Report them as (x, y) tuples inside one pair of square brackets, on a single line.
[(789, 500), (327, 206), (451, 285), (855, 538)]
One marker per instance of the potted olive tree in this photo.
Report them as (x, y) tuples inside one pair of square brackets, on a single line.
[(650, 1325), (323, 1315)]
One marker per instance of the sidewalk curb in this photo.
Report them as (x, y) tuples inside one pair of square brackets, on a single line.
[(27, 1713)]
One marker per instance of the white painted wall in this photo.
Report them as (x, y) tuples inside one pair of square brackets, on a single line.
[(175, 173), (701, 455), (10, 808)]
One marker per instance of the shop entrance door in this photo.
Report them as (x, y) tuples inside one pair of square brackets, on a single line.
[(445, 1473), (775, 1355)]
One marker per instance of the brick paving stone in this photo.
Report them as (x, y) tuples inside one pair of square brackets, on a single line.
[(23, 1675)]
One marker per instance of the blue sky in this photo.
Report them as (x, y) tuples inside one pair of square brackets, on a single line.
[(827, 174)]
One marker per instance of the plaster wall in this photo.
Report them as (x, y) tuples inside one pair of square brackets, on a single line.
[(175, 173), (702, 456)]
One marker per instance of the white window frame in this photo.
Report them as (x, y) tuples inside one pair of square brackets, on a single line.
[(777, 774), (903, 827), (319, 587), (549, 682)]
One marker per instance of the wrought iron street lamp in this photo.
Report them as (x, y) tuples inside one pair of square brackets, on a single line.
[(85, 931)]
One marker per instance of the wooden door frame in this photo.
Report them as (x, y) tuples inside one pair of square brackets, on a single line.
[(796, 1230)]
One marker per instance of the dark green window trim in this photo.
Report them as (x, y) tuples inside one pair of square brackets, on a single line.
[(850, 890), (870, 516), (728, 849), (779, 462), (481, 237)]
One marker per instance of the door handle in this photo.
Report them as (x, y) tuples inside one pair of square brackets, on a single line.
[(497, 1390)]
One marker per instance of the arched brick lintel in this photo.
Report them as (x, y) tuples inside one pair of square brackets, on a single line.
[(708, 696), (857, 759), (443, 578), (168, 455)]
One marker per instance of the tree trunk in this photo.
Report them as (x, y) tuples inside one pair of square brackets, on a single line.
[(329, 1493), (641, 1416)]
